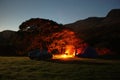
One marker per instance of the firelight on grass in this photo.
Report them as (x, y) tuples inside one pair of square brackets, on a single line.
[(62, 56), (69, 53)]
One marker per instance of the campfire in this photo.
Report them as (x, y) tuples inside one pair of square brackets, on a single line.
[(69, 53), (62, 56)]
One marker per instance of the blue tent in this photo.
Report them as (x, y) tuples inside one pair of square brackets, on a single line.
[(88, 52), (39, 54)]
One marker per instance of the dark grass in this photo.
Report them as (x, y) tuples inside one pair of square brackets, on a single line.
[(22, 68)]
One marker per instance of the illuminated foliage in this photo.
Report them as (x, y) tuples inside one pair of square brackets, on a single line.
[(64, 39), (59, 41)]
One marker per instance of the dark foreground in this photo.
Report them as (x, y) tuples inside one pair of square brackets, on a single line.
[(22, 68)]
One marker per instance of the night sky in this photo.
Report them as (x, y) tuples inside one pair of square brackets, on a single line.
[(14, 12)]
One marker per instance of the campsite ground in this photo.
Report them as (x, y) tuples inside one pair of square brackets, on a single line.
[(22, 68)]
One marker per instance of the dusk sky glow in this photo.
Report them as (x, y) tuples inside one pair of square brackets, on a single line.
[(14, 12)]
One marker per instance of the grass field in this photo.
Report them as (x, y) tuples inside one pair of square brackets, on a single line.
[(22, 68)]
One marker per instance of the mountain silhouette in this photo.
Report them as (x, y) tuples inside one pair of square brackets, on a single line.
[(100, 31), (6, 43)]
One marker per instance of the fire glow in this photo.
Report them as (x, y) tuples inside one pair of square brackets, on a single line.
[(65, 44), (62, 56), (69, 53)]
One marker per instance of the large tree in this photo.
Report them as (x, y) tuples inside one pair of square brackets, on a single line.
[(32, 29)]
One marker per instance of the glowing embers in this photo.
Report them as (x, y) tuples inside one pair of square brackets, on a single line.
[(62, 56)]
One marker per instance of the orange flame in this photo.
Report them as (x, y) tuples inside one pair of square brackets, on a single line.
[(70, 50), (69, 53), (62, 56)]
